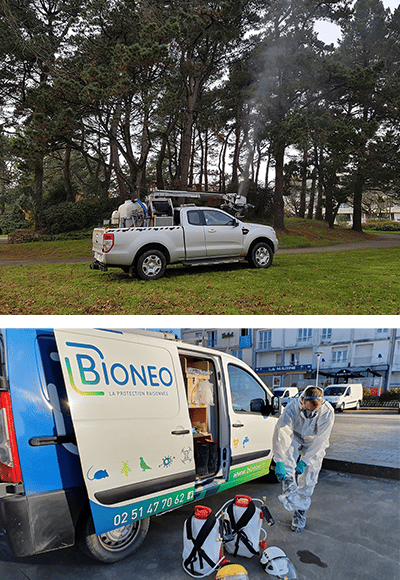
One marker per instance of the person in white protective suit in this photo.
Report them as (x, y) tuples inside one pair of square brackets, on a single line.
[(300, 440)]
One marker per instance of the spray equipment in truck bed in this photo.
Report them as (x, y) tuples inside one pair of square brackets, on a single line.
[(158, 208)]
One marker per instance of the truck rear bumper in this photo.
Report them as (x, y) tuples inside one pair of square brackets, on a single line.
[(96, 265)]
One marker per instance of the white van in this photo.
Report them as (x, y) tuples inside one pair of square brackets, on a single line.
[(346, 396), (285, 394), (124, 426)]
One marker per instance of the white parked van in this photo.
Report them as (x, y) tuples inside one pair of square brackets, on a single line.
[(124, 426), (285, 394), (346, 396)]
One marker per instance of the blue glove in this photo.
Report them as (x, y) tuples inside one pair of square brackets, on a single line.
[(280, 471), (300, 467)]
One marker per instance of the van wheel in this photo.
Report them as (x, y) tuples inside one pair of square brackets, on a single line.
[(151, 265), (341, 408), (358, 406), (112, 546), (260, 256)]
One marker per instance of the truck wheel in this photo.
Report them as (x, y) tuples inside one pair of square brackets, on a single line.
[(261, 255), (151, 265), (112, 546)]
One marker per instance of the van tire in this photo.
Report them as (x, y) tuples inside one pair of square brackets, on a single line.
[(112, 546), (151, 265)]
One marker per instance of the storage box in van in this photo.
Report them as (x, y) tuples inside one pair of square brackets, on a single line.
[(100, 430)]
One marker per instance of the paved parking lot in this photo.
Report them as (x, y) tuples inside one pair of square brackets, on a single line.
[(352, 534), (353, 525)]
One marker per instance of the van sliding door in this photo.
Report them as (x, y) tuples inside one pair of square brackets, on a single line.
[(131, 420)]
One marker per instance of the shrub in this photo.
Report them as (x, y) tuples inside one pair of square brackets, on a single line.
[(69, 216), (392, 395), (23, 236), (382, 226), (9, 222)]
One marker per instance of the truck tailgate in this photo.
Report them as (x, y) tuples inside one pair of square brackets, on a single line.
[(97, 241)]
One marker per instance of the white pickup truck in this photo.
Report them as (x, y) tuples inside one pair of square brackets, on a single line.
[(191, 235)]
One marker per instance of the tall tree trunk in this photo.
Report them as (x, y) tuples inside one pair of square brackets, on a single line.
[(235, 157), (312, 195), (279, 154), (206, 160), (329, 215), (302, 208), (159, 163), (357, 201), (319, 160), (69, 194), (38, 191), (186, 145)]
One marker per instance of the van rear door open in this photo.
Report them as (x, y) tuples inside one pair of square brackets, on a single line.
[(132, 424)]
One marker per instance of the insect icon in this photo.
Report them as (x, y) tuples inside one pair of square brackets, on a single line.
[(126, 469), (166, 461), (186, 453)]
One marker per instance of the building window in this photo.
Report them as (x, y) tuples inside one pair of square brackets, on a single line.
[(294, 358), (212, 339), (264, 339), (305, 334), (238, 354), (383, 330), (326, 333), (244, 332), (339, 356)]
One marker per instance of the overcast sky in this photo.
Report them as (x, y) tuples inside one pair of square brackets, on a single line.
[(329, 32)]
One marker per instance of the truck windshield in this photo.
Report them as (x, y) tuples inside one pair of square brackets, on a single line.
[(329, 391), (279, 392)]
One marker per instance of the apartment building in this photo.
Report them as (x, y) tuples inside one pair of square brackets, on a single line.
[(285, 357)]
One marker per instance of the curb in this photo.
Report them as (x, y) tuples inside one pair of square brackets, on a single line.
[(362, 469)]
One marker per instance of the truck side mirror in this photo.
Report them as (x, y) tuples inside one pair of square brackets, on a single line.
[(276, 406)]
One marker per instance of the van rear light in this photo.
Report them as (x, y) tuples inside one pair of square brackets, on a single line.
[(108, 242), (10, 470)]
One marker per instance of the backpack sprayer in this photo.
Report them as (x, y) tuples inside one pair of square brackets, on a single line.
[(158, 209), (237, 527)]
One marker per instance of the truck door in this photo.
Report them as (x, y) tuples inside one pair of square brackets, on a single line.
[(132, 425), (251, 424), (223, 237), (195, 243)]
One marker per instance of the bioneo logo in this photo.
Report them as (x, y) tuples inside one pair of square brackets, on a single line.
[(92, 370)]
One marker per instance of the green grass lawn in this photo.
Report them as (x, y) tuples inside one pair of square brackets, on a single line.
[(346, 283)]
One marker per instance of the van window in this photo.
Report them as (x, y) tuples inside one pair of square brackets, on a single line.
[(334, 391), (246, 392)]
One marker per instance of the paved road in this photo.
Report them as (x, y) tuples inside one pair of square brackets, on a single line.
[(370, 436), (380, 241)]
